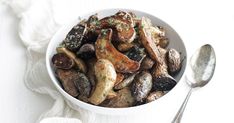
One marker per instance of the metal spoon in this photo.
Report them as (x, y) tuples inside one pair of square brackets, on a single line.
[(200, 72)]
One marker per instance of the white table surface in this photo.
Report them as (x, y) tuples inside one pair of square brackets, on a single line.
[(197, 23)]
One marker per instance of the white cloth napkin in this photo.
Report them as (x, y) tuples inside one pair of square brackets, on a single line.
[(39, 20)]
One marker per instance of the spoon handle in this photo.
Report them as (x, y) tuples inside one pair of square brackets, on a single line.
[(179, 114)]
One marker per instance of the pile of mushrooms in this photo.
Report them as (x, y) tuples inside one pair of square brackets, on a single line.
[(116, 61)]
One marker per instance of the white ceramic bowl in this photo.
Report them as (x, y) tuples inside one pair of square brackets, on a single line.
[(175, 42)]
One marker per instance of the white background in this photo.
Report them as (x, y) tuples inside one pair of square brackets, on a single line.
[(197, 22)]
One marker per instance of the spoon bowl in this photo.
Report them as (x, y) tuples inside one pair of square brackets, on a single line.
[(201, 66)]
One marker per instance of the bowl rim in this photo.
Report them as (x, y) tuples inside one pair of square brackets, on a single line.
[(99, 109)]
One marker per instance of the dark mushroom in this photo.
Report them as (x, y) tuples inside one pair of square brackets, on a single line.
[(68, 79), (83, 85), (136, 53), (86, 51), (141, 86), (91, 73), (62, 61), (93, 23), (173, 60), (105, 50), (162, 81), (74, 38)]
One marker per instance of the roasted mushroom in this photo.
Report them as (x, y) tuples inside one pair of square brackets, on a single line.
[(174, 62), (123, 99), (123, 24), (126, 82), (86, 51), (106, 77), (105, 50), (74, 38), (83, 85), (61, 60), (162, 81), (92, 24), (154, 96), (79, 62), (147, 63), (123, 47), (141, 86), (148, 42), (68, 79)]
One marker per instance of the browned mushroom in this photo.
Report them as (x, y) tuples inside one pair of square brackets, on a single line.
[(61, 60), (148, 41), (123, 99), (105, 50), (123, 24), (162, 81), (123, 47), (147, 63), (86, 51), (67, 79), (79, 62), (154, 96), (126, 82), (106, 77)]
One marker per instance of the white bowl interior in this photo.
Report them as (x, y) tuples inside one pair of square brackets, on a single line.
[(175, 42)]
